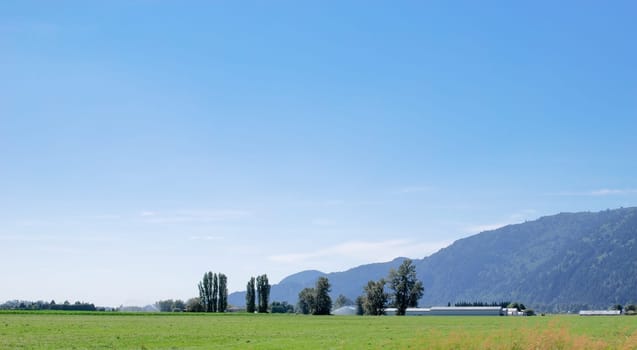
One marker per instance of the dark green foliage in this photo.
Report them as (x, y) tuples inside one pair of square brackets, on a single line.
[(360, 300), (213, 298), (375, 299), (281, 308), (43, 305), (322, 300), (206, 292), (306, 301), (251, 305), (222, 300), (215, 293), (617, 307), (406, 286), (263, 293)]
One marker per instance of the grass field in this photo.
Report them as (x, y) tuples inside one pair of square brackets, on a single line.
[(243, 331)]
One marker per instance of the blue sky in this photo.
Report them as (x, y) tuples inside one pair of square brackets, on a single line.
[(143, 143)]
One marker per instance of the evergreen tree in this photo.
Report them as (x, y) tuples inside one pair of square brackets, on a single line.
[(222, 300), (263, 293), (250, 296), (215, 293), (206, 292), (323, 302)]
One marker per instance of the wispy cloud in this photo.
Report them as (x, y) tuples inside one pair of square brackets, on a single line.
[(596, 193), (181, 216), (363, 251)]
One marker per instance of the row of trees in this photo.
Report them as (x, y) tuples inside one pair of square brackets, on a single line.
[(258, 290), (406, 290), (213, 292), (43, 305)]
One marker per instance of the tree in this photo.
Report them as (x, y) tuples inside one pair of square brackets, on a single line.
[(194, 305), (359, 305), (165, 305), (205, 291), (250, 296), (263, 293), (281, 308), (222, 300), (179, 305), (214, 297), (375, 299), (341, 301), (406, 286), (306, 301), (323, 302), (215, 293)]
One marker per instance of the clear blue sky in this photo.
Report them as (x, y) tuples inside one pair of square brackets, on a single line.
[(143, 143)]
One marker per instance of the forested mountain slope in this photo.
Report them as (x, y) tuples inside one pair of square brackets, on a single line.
[(556, 263)]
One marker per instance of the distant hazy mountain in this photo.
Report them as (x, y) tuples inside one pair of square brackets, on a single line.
[(562, 262)]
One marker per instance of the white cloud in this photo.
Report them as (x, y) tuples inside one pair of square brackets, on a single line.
[(514, 218)]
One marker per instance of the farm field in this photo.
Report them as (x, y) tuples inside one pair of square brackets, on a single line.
[(45, 330)]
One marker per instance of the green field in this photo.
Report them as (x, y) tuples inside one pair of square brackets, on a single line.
[(244, 331)]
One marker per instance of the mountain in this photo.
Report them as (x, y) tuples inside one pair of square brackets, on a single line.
[(562, 262)]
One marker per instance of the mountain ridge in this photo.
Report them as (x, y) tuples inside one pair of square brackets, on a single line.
[(561, 262)]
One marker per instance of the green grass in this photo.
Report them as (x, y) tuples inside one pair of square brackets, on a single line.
[(45, 330)]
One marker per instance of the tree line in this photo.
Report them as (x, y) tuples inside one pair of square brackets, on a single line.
[(44, 305)]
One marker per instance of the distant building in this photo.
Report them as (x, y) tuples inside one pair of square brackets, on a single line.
[(450, 311), (345, 311), (511, 311), (600, 313)]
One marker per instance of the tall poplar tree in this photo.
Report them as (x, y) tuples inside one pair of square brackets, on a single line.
[(206, 292), (222, 302), (215, 293), (263, 293), (250, 296)]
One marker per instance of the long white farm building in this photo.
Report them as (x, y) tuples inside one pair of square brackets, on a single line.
[(450, 311)]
